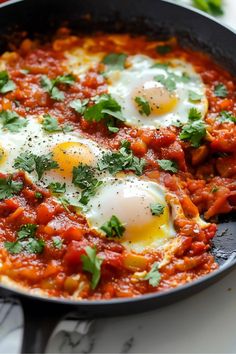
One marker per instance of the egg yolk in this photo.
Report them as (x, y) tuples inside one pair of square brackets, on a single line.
[(161, 101), (3, 155), (130, 203), (71, 154)]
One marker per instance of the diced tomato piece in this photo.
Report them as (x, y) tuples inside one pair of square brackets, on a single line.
[(74, 252), (73, 233)]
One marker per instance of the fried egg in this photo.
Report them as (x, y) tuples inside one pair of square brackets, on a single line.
[(68, 150), (157, 94), (130, 199)]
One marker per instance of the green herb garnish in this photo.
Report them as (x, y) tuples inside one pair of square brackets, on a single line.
[(9, 187), (123, 160), (113, 227), (50, 125), (50, 86), (143, 104), (6, 85), (227, 117), (115, 61), (220, 90), (213, 7), (11, 121), (157, 209), (57, 242), (195, 130), (153, 276), (79, 105), (194, 96), (57, 188), (92, 264), (168, 165)]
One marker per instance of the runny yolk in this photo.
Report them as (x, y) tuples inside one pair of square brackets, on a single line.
[(161, 101), (71, 154), (3, 155)]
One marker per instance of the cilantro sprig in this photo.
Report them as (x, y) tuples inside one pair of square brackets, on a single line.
[(168, 165), (57, 188), (83, 177), (50, 85), (79, 105), (6, 85), (195, 130), (157, 209), (144, 106), (113, 227), (51, 125), (115, 61), (30, 162), (92, 264), (104, 108), (9, 187), (227, 117), (220, 90), (122, 160), (12, 121), (26, 241), (153, 276)]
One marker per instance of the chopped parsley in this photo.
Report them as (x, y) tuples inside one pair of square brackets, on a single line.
[(38, 195), (6, 85), (220, 90), (195, 130), (227, 117), (57, 242), (30, 162), (50, 125), (168, 82), (163, 49), (92, 264), (168, 165), (11, 121), (143, 104), (213, 7), (123, 160), (79, 105), (25, 162), (153, 276), (104, 108), (26, 241), (50, 86), (194, 96), (115, 61), (157, 209), (113, 227), (57, 188), (160, 65), (44, 163), (83, 177), (9, 187)]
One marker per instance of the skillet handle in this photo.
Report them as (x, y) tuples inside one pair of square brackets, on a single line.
[(40, 319)]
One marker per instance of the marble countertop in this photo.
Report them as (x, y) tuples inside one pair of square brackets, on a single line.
[(204, 323)]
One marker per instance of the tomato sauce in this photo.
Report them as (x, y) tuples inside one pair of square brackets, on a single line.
[(205, 181)]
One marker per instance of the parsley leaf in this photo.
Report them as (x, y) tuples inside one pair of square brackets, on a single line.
[(79, 105), (194, 96), (50, 85), (213, 7), (227, 117), (160, 65), (168, 81), (25, 162), (8, 187), (57, 242), (44, 163), (50, 125), (168, 165), (56, 187), (195, 129), (220, 90), (153, 276), (143, 104), (92, 264), (26, 241), (11, 121), (163, 49), (6, 85), (115, 61), (83, 177), (121, 161), (104, 107), (27, 230), (157, 209), (113, 227)]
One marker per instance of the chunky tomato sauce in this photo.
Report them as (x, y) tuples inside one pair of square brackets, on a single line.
[(204, 182)]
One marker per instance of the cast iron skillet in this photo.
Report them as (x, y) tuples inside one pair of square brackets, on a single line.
[(155, 18)]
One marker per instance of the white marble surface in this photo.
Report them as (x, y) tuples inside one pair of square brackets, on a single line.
[(204, 323)]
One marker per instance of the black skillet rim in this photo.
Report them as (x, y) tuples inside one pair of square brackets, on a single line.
[(222, 270)]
